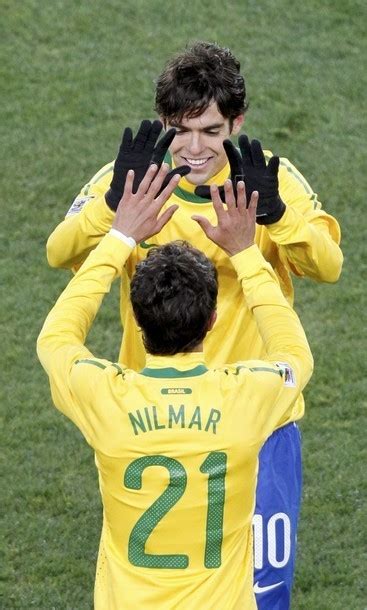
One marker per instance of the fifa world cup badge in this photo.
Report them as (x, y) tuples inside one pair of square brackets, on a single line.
[(288, 374)]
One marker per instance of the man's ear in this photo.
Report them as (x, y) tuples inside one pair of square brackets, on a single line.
[(237, 124), (212, 319)]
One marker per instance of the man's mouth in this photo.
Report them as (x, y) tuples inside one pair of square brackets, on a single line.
[(197, 163)]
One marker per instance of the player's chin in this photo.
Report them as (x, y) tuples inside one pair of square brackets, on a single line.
[(200, 176)]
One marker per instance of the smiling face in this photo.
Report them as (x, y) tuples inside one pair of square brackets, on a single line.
[(199, 143)]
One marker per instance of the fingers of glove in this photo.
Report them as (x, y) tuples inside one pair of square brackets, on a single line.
[(235, 160), (142, 136), (127, 138), (245, 149), (257, 154), (146, 183), (273, 166), (161, 149), (161, 187), (183, 170), (167, 189), (112, 199), (153, 136)]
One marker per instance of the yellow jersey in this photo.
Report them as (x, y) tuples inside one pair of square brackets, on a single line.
[(176, 444), (303, 242)]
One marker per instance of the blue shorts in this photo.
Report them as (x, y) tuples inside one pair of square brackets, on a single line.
[(278, 499)]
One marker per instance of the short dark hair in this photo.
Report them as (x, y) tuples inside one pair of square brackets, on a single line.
[(173, 294), (203, 73)]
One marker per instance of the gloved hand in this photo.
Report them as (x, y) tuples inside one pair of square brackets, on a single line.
[(250, 166), (138, 154)]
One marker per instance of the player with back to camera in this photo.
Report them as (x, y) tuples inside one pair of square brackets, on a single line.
[(176, 444), (202, 94)]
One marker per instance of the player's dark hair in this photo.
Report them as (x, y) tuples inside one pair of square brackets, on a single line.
[(173, 294), (192, 80)]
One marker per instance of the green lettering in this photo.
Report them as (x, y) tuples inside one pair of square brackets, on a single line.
[(148, 418), (137, 422), (196, 419), (175, 418), (157, 425), (213, 419)]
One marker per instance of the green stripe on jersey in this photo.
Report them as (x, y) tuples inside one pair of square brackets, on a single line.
[(100, 365), (93, 362), (97, 177), (255, 369), (171, 372), (292, 170)]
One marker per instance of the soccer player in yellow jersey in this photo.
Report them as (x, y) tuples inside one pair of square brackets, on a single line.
[(177, 443), (202, 94)]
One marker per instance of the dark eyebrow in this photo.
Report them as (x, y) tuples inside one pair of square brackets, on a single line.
[(207, 128)]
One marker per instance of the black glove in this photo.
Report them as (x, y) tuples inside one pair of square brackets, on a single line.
[(251, 167), (138, 154)]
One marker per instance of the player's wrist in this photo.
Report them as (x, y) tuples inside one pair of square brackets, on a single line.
[(234, 249), (126, 239), (277, 209)]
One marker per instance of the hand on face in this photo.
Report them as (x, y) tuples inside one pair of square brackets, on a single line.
[(137, 213), (236, 226)]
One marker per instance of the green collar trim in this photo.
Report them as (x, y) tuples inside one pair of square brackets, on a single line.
[(173, 373), (187, 196)]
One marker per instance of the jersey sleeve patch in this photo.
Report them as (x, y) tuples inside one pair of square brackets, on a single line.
[(78, 204), (287, 374)]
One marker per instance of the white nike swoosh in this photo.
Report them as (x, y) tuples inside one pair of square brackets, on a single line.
[(259, 589)]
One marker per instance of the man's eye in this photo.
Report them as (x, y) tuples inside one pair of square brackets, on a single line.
[(212, 133)]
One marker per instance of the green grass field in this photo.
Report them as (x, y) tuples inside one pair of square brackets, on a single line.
[(72, 75)]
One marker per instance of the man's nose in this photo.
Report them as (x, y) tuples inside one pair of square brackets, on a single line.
[(195, 146)]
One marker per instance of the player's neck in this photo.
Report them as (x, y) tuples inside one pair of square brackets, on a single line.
[(198, 348)]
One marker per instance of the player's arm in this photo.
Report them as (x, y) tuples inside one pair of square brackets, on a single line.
[(87, 221), (60, 344), (278, 324), (308, 237), (91, 214)]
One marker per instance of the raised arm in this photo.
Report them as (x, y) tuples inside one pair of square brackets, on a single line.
[(87, 221), (278, 324), (307, 238), (92, 212), (60, 344)]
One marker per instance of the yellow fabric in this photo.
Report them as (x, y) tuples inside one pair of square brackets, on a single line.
[(304, 242), (207, 425)]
